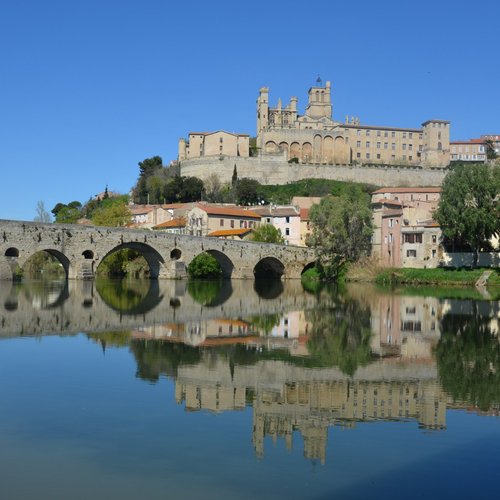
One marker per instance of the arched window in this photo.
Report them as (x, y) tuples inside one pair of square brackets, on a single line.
[(12, 252)]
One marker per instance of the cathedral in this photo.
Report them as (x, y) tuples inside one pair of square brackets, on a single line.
[(315, 137)]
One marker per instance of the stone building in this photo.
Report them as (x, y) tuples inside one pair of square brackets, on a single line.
[(470, 150), (405, 235), (204, 219), (316, 137), (201, 144)]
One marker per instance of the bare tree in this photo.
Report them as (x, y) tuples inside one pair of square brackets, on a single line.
[(41, 213)]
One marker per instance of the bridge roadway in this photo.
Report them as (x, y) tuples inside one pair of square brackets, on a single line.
[(80, 249)]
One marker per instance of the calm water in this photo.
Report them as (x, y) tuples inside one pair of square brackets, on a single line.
[(151, 390)]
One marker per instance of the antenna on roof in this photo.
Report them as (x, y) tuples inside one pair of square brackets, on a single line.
[(319, 82)]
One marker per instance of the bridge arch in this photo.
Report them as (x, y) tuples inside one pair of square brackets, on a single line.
[(61, 258), (224, 261), (308, 266), (153, 257), (269, 267)]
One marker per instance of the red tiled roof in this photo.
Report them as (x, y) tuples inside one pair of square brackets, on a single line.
[(408, 190), (230, 211), (230, 232), (469, 141), (177, 222), (304, 214)]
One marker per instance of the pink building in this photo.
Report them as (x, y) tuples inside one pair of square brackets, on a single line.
[(405, 234)]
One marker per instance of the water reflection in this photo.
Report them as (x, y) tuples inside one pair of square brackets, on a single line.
[(303, 361)]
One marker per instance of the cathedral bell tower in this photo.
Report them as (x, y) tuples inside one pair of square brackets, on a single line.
[(320, 104)]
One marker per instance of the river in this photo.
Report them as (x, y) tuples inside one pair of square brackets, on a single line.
[(239, 389)]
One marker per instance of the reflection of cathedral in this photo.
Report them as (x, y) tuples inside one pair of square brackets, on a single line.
[(286, 399)]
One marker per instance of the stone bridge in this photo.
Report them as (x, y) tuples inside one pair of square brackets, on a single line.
[(80, 249)]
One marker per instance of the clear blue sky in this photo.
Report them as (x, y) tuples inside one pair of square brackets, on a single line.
[(90, 88)]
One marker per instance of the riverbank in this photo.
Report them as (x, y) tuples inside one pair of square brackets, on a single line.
[(437, 276)]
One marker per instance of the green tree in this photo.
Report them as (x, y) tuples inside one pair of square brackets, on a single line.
[(469, 209), (115, 214), (67, 215), (41, 214), (247, 192), (267, 233), (468, 359), (204, 266), (342, 231), (491, 153), (147, 168)]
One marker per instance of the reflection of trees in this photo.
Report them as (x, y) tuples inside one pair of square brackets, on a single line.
[(265, 322), (204, 292), (129, 296), (155, 358), (468, 358), (340, 334)]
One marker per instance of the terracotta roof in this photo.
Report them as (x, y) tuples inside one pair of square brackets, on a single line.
[(177, 222), (393, 211), (140, 210), (469, 141), (306, 201), (388, 201), (304, 214), (408, 190), (230, 211), (276, 211), (230, 232)]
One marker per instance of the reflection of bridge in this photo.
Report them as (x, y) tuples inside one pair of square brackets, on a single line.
[(80, 250), (77, 306)]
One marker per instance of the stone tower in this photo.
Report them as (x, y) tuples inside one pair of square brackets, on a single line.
[(262, 109), (320, 104), (436, 143)]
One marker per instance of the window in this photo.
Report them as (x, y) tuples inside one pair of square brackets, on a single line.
[(410, 147), (367, 156), (222, 223), (386, 145), (386, 134), (404, 135), (287, 231), (367, 144), (410, 135), (378, 145), (232, 223), (413, 237), (287, 220), (221, 140), (358, 132), (433, 253), (393, 134), (358, 144), (378, 156), (410, 158), (378, 133), (367, 133), (393, 146), (358, 155), (434, 238), (404, 147), (393, 157)]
